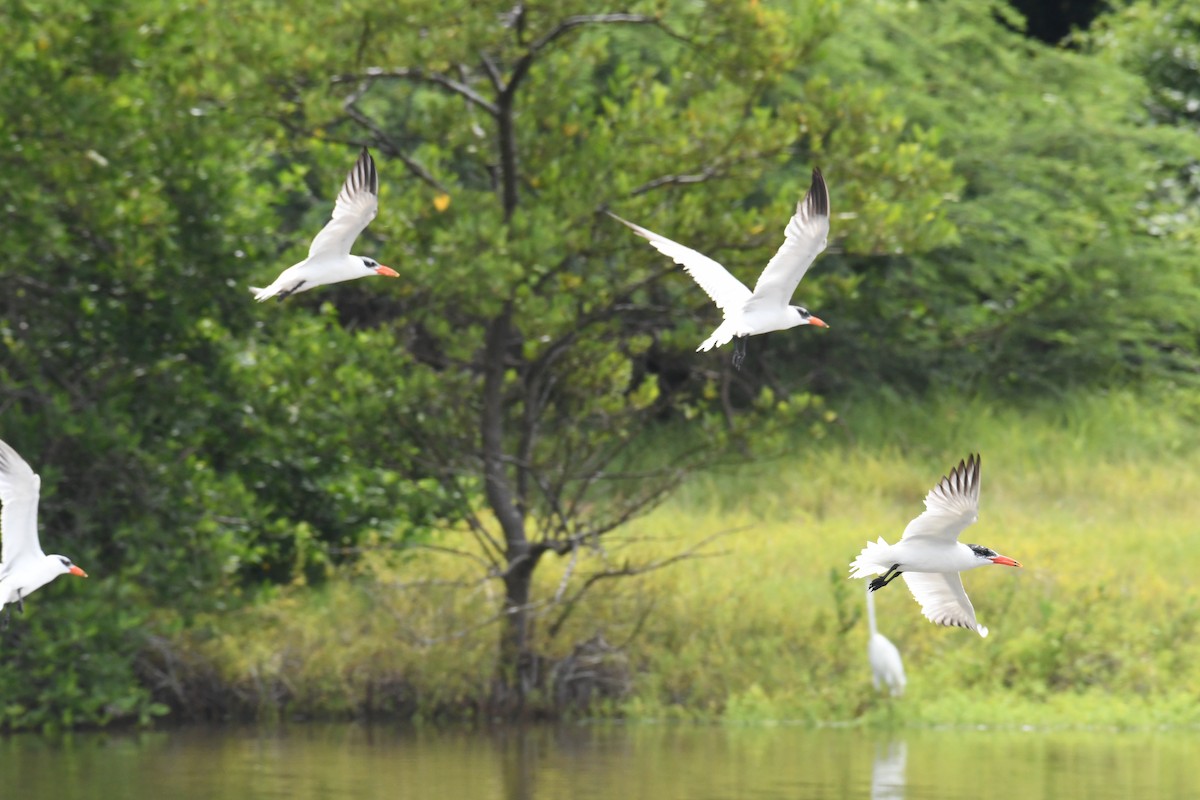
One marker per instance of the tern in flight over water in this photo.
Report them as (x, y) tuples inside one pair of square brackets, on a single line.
[(329, 259), (767, 308), (24, 568), (929, 555)]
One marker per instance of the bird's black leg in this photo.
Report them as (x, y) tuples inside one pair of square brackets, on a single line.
[(882, 581), (20, 602), (739, 352), (291, 291), (7, 618)]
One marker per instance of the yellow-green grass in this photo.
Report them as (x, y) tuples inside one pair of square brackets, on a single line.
[(1098, 496)]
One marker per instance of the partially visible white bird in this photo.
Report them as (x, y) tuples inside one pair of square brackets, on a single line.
[(767, 308), (929, 554), (329, 259), (24, 568), (886, 667)]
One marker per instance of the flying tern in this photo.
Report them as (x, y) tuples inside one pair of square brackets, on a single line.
[(929, 555), (767, 308), (24, 568), (329, 258)]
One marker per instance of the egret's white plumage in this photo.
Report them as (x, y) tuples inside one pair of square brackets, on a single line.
[(767, 308), (929, 555), (886, 667), (329, 259), (24, 568)]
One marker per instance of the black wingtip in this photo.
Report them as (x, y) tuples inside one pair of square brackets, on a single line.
[(966, 474), (364, 175), (817, 199)]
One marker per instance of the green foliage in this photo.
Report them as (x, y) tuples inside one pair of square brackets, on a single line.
[(1101, 627), (1005, 215), (68, 660), (1067, 265)]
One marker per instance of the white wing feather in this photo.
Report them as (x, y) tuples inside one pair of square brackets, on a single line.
[(724, 289), (19, 490), (943, 599), (805, 237), (357, 204), (950, 506)]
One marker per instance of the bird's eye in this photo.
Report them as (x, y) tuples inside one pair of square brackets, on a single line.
[(66, 562)]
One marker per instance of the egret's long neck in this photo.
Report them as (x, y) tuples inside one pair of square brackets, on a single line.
[(871, 611)]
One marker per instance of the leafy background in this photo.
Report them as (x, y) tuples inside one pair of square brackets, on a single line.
[(1013, 220)]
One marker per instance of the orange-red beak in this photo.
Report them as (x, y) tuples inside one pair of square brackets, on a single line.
[(820, 323), (388, 271), (74, 570), (1006, 561)]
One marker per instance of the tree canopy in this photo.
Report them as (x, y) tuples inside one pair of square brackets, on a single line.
[(1006, 215)]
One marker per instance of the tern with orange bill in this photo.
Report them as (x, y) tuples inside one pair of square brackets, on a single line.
[(929, 555), (768, 307), (329, 258), (24, 568)]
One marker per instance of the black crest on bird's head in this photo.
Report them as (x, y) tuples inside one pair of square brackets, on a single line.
[(983, 552)]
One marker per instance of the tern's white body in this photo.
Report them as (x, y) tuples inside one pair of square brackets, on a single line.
[(329, 258), (767, 308), (887, 669), (24, 568), (929, 555)]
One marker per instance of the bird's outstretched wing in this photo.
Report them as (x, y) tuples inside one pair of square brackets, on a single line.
[(805, 238), (943, 599), (19, 489), (357, 204), (950, 506), (724, 289)]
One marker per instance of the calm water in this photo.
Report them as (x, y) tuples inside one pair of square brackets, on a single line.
[(601, 762)]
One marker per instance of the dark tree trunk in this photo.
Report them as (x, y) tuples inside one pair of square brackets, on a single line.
[(518, 672), (519, 663)]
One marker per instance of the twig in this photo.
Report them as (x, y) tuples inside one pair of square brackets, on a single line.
[(393, 149), (675, 180), (416, 74), (627, 570), (567, 573)]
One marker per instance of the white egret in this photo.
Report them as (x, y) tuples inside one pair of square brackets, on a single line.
[(886, 667)]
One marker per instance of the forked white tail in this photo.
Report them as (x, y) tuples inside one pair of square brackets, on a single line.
[(869, 560)]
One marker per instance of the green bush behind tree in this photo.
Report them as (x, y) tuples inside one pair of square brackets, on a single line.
[(1007, 217)]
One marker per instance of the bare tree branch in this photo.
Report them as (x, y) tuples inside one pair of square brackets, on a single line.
[(418, 75), (567, 573), (676, 180), (628, 570), (493, 73), (392, 147), (570, 23)]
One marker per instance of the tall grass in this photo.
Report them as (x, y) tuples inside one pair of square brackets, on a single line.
[(1098, 496)]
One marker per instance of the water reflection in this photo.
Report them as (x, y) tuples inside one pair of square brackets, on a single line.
[(601, 762), (887, 772)]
